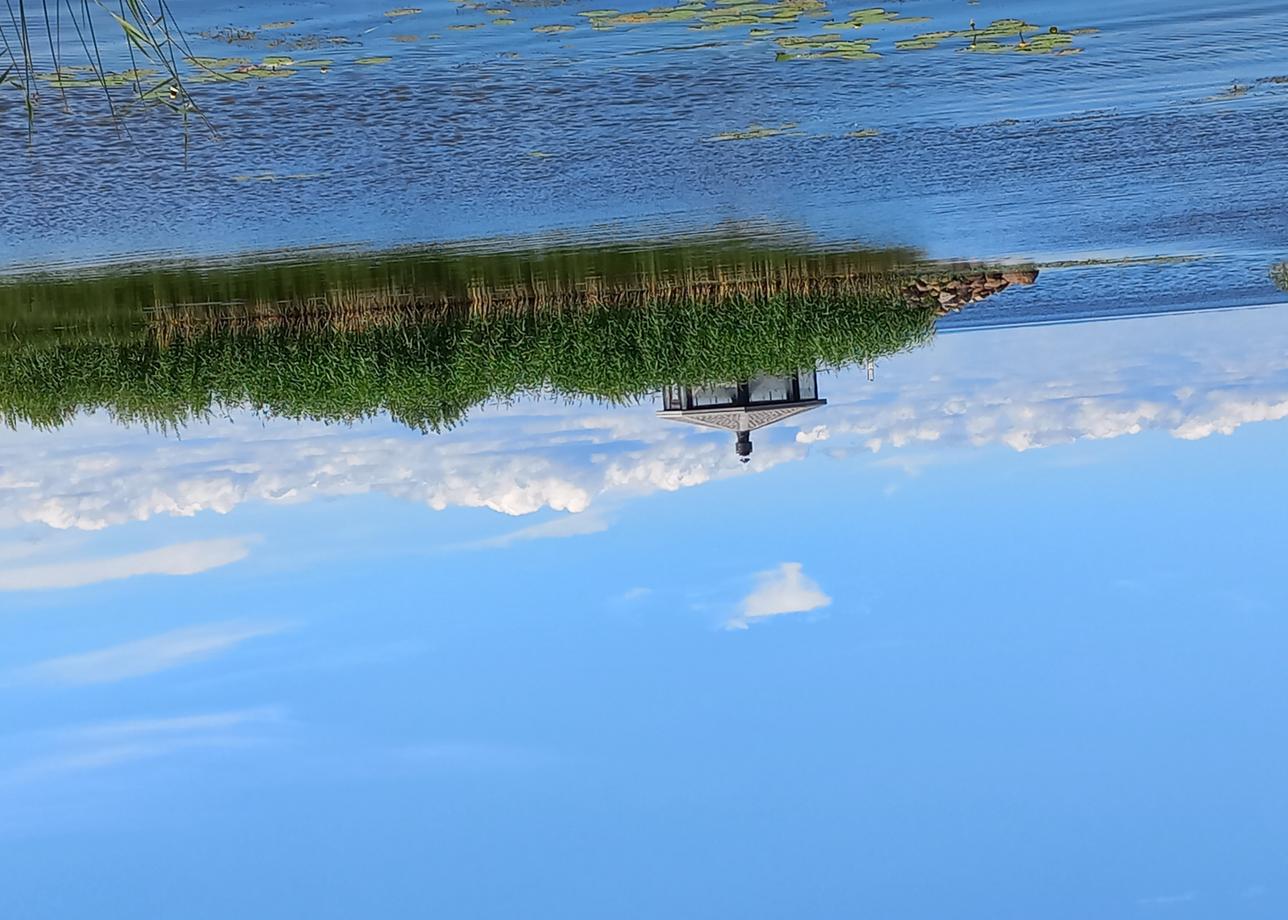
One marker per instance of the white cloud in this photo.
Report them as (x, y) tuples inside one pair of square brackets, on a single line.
[(144, 656), (786, 589), (178, 559)]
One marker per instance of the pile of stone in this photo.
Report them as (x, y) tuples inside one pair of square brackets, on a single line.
[(949, 293)]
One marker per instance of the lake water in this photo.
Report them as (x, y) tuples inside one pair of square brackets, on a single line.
[(743, 460)]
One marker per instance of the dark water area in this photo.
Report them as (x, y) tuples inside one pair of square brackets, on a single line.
[(737, 458)]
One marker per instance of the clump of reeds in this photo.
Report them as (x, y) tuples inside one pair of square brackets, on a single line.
[(1279, 274), (48, 46)]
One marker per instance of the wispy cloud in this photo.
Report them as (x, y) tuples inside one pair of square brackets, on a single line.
[(104, 745), (634, 595), (177, 559), (144, 656), (786, 589), (568, 525)]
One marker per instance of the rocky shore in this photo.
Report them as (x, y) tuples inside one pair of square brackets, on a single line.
[(949, 293)]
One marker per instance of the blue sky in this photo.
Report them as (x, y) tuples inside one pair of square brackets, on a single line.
[(998, 635)]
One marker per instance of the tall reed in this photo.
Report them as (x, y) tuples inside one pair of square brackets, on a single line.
[(75, 34)]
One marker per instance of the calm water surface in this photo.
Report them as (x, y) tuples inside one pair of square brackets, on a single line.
[(567, 473)]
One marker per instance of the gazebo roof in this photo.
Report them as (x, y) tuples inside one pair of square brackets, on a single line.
[(741, 418)]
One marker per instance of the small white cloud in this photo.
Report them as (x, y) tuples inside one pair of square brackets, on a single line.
[(144, 656), (179, 559), (813, 435), (786, 589)]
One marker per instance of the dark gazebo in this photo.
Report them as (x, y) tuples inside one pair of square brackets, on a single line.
[(743, 407)]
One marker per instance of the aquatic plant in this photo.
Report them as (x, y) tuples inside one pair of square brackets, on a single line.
[(1279, 274)]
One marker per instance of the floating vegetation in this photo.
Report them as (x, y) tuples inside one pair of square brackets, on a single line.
[(404, 11), (374, 59), (553, 29), (824, 47), (712, 14), (1279, 274), (1002, 36), (753, 132), (425, 337), (863, 133)]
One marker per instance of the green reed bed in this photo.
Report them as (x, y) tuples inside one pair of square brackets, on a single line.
[(429, 374), (334, 283)]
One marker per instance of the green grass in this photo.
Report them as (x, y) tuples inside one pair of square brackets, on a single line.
[(428, 375)]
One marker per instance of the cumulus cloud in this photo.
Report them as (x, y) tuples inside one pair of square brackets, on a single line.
[(786, 589), (510, 464), (144, 656), (178, 559)]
